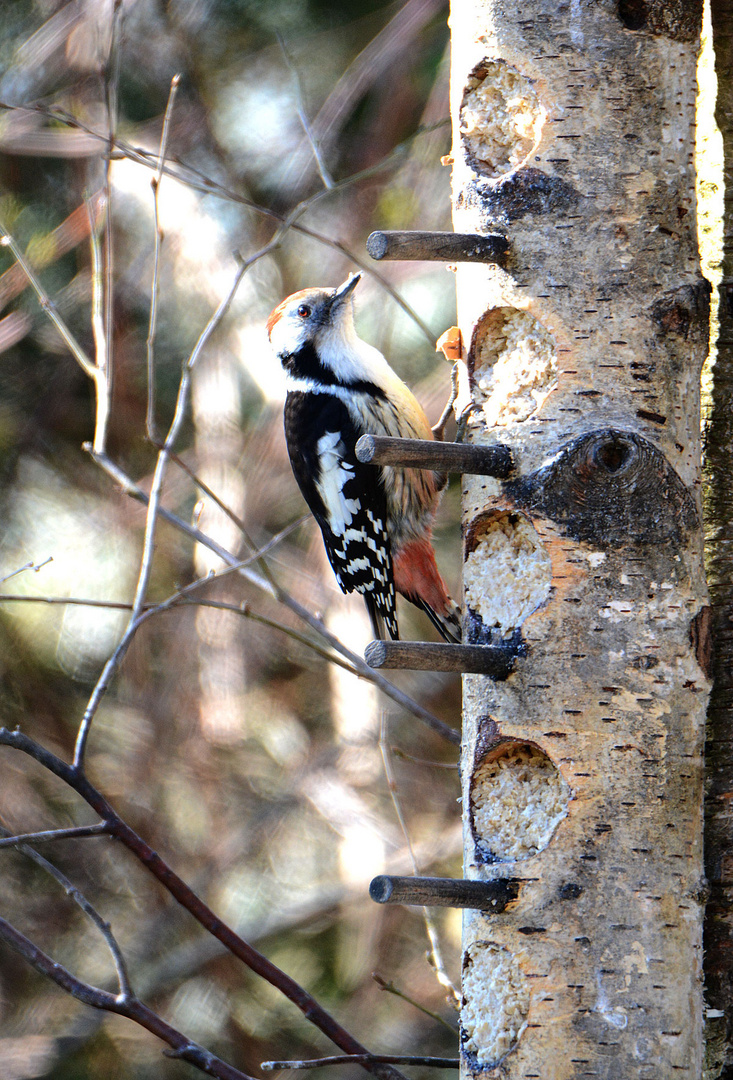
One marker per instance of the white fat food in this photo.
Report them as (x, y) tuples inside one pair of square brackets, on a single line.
[(517, 801), (335, 472), (508, 574), (496, 1001), (516, 368), (501, 118)]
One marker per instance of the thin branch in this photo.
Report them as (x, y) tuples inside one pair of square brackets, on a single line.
[(24, 598), (6, 240), (303, 117), (142, 615), (77, 832), (245, 610), (111, 84), (99, 333), (180, 600), (153, 502), (132, 1008), (390, 988), (198, 181), (398, 752), (188, 899), (257, 556), (152, 324), (27, 566), (434, 956), (283, 597), (123, 977), (234, 518), (359, 1059)]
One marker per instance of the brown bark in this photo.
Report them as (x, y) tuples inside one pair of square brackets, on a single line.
[(574, 133), (719, 554)]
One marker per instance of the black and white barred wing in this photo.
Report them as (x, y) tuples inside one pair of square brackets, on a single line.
[(348, 501)]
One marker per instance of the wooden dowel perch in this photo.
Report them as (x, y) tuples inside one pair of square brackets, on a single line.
[(442, 456), (436, 656), (437, 246), (444, 892)]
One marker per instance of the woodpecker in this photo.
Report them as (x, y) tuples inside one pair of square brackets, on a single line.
[(376, 521)]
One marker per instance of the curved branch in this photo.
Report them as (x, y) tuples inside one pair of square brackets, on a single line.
[(188, 899), (130, 1007)]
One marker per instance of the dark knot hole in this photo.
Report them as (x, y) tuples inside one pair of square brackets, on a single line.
[(633, 14), (612, 455)]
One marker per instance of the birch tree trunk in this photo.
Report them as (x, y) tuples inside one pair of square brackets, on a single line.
[(574, 135)]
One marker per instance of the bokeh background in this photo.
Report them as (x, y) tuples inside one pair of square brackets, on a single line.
[(241, 755)]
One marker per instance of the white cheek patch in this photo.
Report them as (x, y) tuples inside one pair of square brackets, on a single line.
[(288, 334), (334, 474)]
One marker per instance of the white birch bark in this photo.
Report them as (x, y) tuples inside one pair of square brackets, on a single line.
[(574, 135)]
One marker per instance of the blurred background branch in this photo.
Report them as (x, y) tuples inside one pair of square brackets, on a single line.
[(228, 738)]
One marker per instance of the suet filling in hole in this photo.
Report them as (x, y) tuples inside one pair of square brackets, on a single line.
[(507, 573), (518, 798), (495, 1002), (501, 118), (514, 366)]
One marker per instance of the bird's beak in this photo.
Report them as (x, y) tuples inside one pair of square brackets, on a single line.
[(345, 290)]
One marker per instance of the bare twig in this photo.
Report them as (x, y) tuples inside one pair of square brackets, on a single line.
[(98, 374), (48, 306), (76, 832), (27, 566), (363, 670), (390, 988), (152, 324), (303, 117), (198, 181), (234, 518), (99, 332), (245, 610), (434, 956), (398, 752), (359, 1059), (130, 1007), (257, 556), (123, 978), (188, 899), (137, 618), (111, 84)]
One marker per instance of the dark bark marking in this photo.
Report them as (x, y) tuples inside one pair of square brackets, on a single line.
[(676, 19), (652, 417), (701, 636), (612, 488), (680, 309), (526, 191)]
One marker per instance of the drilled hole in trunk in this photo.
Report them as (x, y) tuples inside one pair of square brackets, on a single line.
[(518, 798), (513, 366), (501, 118), (496, 1000), (507, 572)]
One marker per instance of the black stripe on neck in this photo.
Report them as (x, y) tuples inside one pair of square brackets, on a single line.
[(305, 364)]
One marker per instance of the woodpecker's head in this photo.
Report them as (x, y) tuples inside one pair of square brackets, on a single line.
[(317, 317)]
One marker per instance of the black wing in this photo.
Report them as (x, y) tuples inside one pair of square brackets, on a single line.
[(346, 497)]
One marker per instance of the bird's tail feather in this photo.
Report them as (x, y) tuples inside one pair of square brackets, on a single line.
[(378, 620), (448, 624)]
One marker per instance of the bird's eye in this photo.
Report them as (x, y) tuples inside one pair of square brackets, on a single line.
[(304, 311)]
